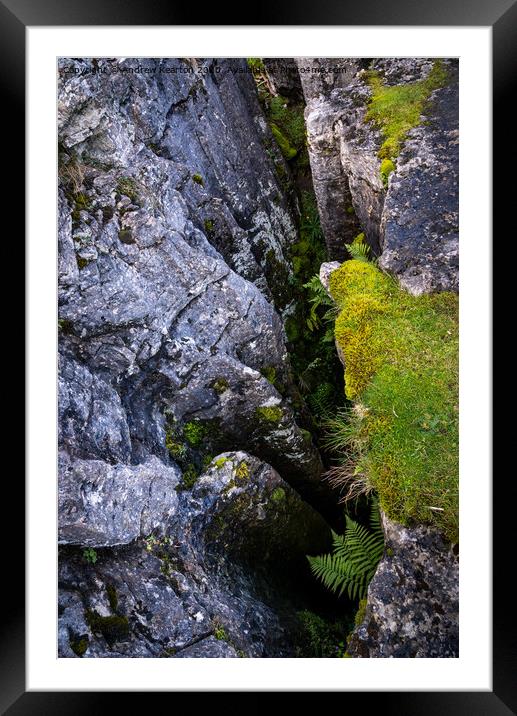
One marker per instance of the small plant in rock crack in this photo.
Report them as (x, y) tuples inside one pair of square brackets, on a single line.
[(353, 562), (359, 249), (90, 555), (319, 299)]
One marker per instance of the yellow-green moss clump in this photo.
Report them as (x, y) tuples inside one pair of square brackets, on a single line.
[(242, 471), (398, 108), (269, 413), (401, 369)]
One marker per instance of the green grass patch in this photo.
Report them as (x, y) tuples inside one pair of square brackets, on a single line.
[(397, 109), (401, 358)]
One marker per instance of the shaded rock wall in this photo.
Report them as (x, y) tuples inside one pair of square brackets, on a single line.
[(190, 591)]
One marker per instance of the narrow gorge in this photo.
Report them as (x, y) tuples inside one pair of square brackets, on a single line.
[(258, 339)]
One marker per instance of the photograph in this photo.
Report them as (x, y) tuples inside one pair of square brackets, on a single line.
[(258, 403)]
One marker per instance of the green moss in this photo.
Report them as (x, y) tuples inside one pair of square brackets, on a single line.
[(206, 461), (221, 461), (112, 597), (90, 555), (220, 633), (307, 437), (292, 329), (401, 368), (387, 166), (177, 449), (126, 236), (256, 64), (82, 202), (81, 262), (361, 612), (80, 645), (113, 628), (209, 226), (269, 373), (350, 209), (270, 413), (397, 109), (127, 186), (190, 475), (198, 179), (220, 385), (242, 471), (288, 116), (320, 638), (278, 494), (194, 432), (288, 151), (65, 326)]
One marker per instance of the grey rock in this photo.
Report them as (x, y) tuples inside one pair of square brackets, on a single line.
[(284, 77), (412, 608), (325, 270), (210, 648), (102, 504), (320, 75), (173, 594), (413, 225), (420, 225), (176, 192), (92, 420)]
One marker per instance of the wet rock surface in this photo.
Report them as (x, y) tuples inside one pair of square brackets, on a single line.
[(412, 608)]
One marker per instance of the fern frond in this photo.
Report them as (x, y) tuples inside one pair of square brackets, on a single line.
[(354, 559), (318, 298), (359, 249)]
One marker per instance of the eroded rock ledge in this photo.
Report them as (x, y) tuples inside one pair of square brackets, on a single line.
[(202, 586)]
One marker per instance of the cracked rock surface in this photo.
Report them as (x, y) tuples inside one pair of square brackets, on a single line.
[(412, 608), (412, 225), (173, 228)]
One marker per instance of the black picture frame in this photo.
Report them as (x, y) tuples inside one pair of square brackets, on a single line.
[(501, 15)]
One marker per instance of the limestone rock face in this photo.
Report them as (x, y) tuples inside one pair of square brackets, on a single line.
[(155, 303), (420, 224), (105, 505), (204, 587), (174, 236), (412, 608), (413, 223)]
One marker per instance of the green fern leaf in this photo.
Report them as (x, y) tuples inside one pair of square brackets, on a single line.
[(353, 562)]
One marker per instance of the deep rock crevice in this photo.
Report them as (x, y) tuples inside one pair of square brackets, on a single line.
[(190, 483)]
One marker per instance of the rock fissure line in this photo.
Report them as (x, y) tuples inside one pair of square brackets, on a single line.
[(197, 522)]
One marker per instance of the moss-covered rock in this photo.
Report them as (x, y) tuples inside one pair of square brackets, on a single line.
[(113, 628), (269, 413), (401, 367)]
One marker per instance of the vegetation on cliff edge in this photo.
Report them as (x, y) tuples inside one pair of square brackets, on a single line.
[(401, 358)]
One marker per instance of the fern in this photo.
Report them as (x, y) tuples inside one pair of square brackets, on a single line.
[(359, 249), (354, 559), (319, 298)]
